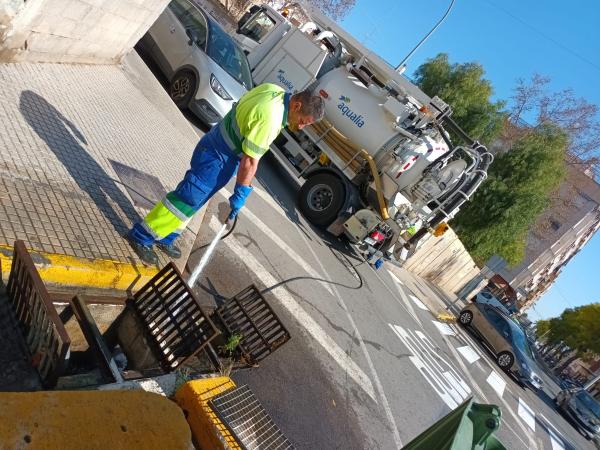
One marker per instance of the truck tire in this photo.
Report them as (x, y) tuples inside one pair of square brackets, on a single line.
[(320, 198)]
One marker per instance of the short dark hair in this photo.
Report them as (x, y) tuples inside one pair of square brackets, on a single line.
[(312, 105)]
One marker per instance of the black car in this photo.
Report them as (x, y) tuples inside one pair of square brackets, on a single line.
[(583, 409)]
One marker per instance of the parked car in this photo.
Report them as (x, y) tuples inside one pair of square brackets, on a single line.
[(506, 340), (489, 299), (583, 410), (207, 70)]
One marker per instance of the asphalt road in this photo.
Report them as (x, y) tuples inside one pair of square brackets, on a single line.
[(369, 366)]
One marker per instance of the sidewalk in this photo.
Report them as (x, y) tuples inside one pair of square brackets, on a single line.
[(72, 138), (435, 298)]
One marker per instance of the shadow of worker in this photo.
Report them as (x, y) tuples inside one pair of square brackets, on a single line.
[(64, 139)]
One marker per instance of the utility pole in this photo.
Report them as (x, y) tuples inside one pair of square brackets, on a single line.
[(402, 66)]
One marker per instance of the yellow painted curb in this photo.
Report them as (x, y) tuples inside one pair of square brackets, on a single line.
[(113, 420), (207, 429), (68, 270), (446, 317)]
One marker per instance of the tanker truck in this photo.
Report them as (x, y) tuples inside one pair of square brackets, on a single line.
[(387, 164)]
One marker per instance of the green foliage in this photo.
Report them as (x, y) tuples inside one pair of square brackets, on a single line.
[(232, 343), (541, 328), (464, 89), (579, 328), (516, 192)]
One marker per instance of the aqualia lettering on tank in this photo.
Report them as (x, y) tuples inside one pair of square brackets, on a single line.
[(284, 81), (357, 119)]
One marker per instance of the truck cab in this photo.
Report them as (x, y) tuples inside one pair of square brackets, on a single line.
[(260, 25)]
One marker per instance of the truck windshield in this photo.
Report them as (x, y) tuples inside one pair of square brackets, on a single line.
[(258, 27), (228, 55)]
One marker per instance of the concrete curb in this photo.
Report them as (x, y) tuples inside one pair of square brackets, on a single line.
[(71, 271)]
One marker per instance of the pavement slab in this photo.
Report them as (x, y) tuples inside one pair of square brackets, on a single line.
[(65, 130)]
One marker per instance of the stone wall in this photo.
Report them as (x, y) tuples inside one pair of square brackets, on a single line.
[(83, 31), (445, 262)]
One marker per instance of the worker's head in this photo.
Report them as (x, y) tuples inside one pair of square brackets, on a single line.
[(305, 109)]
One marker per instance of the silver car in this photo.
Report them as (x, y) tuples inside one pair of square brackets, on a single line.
[(207, 70)]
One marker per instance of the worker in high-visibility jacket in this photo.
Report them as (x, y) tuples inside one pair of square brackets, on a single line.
[(233, 146)]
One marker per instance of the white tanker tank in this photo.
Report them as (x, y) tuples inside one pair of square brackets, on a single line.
[(372, 119)]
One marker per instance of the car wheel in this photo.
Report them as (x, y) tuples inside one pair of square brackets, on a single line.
[(182, 88), (320, 198), (505, 360), (465, 317)]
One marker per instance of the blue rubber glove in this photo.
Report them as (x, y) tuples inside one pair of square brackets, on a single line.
[(238, 199)]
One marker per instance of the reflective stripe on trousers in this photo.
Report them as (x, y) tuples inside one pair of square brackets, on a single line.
[(212, 166)]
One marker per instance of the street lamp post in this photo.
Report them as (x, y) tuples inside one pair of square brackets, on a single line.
[(402, 66)]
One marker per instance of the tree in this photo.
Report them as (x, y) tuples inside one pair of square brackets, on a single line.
[(335, 9), (579, 328), (516, 192), (542, 327), (463, 87), (534, 102)]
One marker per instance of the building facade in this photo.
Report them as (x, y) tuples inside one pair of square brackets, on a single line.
[(560, 232)]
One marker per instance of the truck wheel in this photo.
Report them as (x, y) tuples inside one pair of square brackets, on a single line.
[(321, 198)]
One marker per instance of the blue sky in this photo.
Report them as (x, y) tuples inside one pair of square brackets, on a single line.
[(511, 39)]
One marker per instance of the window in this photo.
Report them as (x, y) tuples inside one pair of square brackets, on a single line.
[(228, 55), (258, 27), (191, 18), (496, 320)]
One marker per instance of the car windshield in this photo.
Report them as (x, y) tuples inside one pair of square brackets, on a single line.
[(589, 402), (228, 55), (519, 339)]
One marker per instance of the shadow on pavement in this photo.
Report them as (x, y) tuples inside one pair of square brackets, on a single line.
[(66, 142)]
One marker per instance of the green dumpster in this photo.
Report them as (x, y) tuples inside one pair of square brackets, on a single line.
[(471, 426)]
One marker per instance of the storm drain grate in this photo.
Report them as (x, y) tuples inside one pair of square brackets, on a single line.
[(173, 318), (249, 315), (244, 416)]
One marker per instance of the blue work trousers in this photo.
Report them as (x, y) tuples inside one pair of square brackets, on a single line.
[(212, 166)]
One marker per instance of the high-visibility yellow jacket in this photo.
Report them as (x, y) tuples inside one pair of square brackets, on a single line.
[(255, 121)]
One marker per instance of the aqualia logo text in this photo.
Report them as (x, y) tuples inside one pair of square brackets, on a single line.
[(357, 119), (284, 81)]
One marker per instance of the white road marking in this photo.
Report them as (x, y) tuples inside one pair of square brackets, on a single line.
[(468, 353), (378, 385), (532, 445), (396, 279), (527, 414), (555, 441), (308, 268), (556, 438), (440, 375), (496, 382), (444, 328), (418, 302), (312, 328), (409, 307)]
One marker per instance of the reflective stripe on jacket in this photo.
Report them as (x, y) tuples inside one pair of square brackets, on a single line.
[(255, 121)]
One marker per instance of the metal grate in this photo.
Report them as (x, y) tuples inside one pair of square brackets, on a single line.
[(173, 318), (244, 416), (249, 314), (44, 334)]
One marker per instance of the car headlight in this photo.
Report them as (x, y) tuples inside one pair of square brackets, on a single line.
[(218, 88)]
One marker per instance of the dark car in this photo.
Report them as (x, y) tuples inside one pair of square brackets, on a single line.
[(583, 409), (505, 338)]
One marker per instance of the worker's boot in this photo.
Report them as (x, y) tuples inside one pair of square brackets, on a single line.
[(145, 252), (171, 250)]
